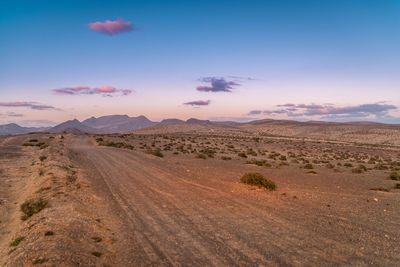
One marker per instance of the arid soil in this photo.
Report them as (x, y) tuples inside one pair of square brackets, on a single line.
[(176, 199)]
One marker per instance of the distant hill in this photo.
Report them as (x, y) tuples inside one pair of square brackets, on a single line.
[(13, 128), (171, 121), (118, 123), (197, 121), (73, 126), (368, 132)]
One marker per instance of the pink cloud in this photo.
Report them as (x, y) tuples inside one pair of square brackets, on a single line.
[(198, 103), (104, 90), (32, 105), (111, 27), (72, 90)]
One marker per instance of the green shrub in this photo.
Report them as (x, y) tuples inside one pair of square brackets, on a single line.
[(255, 178), (32, 206), (155, 152), (330, 166), (256, 162), (308, 166), (17, 241), (394, 176), (41, 158), (43, 145), (40, 261), (97, 239), (96, 254), (71, 178), (201, 156), (242, 155), (380, 189)]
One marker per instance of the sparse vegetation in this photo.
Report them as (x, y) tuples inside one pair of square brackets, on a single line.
[(201, 156), (40, 261), (97, 239), (394, 176), (71, 178), (308, 166), (257, 179), (155, 152), (97, 254), (40, 190), (380, 189), (242, 155), (17, 241), (359, 169), (32, 206)]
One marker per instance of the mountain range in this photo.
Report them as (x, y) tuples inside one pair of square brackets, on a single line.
[(124, 123), (100, 125)]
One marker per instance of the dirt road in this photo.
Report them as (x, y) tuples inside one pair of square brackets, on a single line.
[(174, 213)]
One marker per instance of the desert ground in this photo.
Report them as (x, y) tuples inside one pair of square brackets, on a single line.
[(172, 196)]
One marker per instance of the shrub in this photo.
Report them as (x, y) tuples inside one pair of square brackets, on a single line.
[(380, 189), (201, 156), (330, 166), (226, 158), (71, 178), (255, 178), (242, 154), (394, 176), (40, 190), (43, 145), (41, 158), (96, 253), (97, 239), (17, 241), (397, 186), (112, 144), (256, 162), (28, 144), (40, 261), (155, 152), (32, 206), (308, 166)]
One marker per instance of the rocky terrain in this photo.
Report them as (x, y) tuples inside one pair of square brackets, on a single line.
[(172, 195)]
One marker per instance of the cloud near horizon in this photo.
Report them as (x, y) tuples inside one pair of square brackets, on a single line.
[(31, 105), (112, 27), (11, 114), (198, 103), (217, 84), (104, 90), (330, 111)]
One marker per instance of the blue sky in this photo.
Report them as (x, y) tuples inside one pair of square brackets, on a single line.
[(330, 60)]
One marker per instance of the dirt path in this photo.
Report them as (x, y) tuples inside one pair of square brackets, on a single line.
[(166, 213)]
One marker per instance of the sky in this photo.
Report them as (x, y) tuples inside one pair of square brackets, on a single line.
[(220, 60)]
